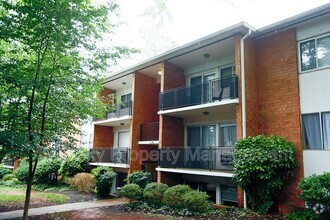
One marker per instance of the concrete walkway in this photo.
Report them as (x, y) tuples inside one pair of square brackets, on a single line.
[(63, 208)]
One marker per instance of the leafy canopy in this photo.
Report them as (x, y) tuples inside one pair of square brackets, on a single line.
[(50, 70)]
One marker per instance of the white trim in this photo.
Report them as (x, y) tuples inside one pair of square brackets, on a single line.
[(212, 104), (118, 165), (126, 117), (315, 38), (8, 167), (149, 142), (196, 172)]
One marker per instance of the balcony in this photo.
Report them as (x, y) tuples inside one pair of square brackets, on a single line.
[(209, 92), (8, 163), (121, 113), (113, 157), (149, 133), (205, 158)]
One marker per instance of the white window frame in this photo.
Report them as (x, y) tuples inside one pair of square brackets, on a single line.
[(299, 53), (321, 130)]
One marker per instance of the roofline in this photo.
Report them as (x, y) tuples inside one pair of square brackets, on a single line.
[(186, 48), (291, 21)]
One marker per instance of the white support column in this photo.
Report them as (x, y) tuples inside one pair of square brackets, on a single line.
[(218, 194), (114, 185)]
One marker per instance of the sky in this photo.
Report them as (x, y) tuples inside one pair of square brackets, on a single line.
[(152, 32)]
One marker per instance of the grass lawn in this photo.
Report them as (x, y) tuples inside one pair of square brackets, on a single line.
[(14, 197)]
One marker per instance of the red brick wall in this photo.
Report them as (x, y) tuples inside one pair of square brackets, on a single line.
[(145, 107), (171, 129), (278, 98), (103, 136), (104, 94), (170, 179), (172, 77), (251, 92)]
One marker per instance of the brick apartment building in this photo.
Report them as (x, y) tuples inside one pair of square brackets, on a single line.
[(198, 99)]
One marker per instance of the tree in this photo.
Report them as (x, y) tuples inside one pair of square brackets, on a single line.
[(49, 73)]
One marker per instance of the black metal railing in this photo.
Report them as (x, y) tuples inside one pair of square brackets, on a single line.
[(149, 131), (8, 162), (110, 155), (214, 90), (119, 110), (210, 158)]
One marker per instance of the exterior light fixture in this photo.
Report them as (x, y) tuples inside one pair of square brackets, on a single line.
[(122, 124), (206, 55), (159, 72), (124, 83), (206, 113)]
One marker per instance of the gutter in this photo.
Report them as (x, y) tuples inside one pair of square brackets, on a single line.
[(243, 97)]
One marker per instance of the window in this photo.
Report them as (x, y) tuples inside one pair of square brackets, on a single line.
[(315, 53), (227, 135), (126, 100), (202, 136), (316, 131)]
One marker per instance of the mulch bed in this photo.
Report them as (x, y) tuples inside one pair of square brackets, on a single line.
[(118, 212)]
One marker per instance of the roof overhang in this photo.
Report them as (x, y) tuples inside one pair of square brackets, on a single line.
[(293, 21), (240, 28)]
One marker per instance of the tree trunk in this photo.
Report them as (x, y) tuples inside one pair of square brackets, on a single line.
[(32, 169), (27, 199)]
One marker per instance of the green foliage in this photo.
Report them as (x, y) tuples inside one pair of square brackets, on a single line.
[(104, 177), (7, 177), (4, 171), (132, 191), (153, 194), (196, 201), (315, 191), (140, 178), (22, 171), (77, 162), (261, 165), (301, 215), (173, 196), (84, 182), (47, 171)]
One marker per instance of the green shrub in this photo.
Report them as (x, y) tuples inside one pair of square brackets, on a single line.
[(153, 194), (47, 171), (104, 177), (261, 165), (196, 201), (315, 191), (22, 171), (84, 182), (140, 178), (132, 191), (7, 177), (4, 171), (301, 215), (77, 162), (173, 196)]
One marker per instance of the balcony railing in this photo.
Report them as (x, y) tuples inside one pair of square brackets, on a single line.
[(119, 110), (110, 155), (209, 158), (149, 131), (217, 89), (8, 163)]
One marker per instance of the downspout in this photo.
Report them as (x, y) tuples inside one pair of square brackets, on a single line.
[(243, 98)]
